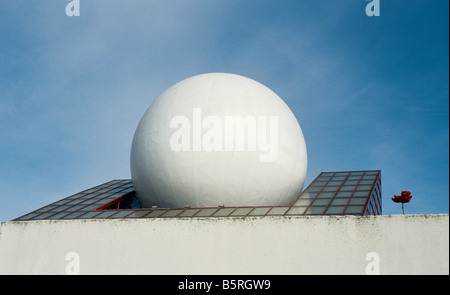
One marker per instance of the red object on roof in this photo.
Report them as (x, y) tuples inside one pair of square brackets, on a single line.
[(405, 197)]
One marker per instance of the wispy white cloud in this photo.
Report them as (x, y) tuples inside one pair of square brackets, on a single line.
[(72, 90)]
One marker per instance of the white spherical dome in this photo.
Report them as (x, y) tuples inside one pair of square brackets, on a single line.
[(218, 139)]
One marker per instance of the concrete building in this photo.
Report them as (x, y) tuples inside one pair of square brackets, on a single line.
[(334, 227), (400, 244)]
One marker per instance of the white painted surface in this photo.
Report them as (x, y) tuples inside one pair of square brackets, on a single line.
[(411, 244), (271, 172)]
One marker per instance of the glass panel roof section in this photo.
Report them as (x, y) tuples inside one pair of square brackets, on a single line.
[(171, 213), (89, 214), (138, 214), (240, 212), (188, 212), (105, 214), (155, 213), (223, 212), (259, 211), (330, 193), (207, 212), (335, 210), (277, 211), (296, 210)]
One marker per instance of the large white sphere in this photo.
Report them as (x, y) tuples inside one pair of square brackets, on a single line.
[(218, 139)]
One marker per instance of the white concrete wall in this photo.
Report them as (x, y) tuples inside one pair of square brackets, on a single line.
[(410, 244)]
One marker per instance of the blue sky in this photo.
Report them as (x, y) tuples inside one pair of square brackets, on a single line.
[(368, 92)]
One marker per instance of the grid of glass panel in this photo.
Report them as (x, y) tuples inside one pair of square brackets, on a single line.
[(331, 193), (341, 193), (78, 205)]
